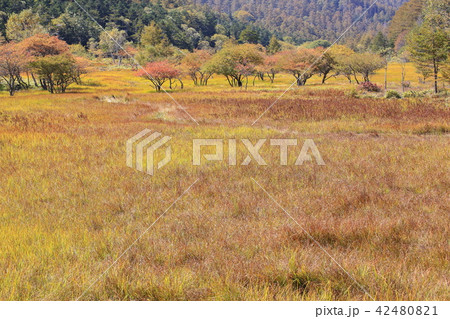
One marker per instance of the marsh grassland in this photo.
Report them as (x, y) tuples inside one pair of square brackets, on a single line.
[(69, 206)]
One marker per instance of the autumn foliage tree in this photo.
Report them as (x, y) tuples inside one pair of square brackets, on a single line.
[(341, 56), (301, 63), (325, 65), (236, 62), (41, 45), (13, 61), (159, 73), (359, 64), (56, 73), (193, 64), (270, 66), (366, 64)]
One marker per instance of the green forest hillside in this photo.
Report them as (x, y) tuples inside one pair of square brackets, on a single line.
[(188, 23), (306, 20), (186, 26)]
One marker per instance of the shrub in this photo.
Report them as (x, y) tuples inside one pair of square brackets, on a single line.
[(415, 94), (370, 87), (410, 94), (442, 93), (393, 95), (352, 93)]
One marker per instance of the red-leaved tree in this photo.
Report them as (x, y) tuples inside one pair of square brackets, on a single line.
[(159, 73)]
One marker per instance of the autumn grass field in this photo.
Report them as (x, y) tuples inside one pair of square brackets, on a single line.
[(70, 207)]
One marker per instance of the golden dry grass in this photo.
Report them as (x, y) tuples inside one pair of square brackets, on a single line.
[(69, 206)]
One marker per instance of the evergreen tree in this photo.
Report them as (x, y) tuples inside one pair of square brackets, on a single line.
[(379, 43), (429, 44), (405, 19), (152, 35), (274, 46), (249, 35)]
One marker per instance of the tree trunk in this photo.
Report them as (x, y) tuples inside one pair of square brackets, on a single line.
[(349, 78), (239, 81), (385, 77), (12, 86), (34, 79), (194, 78), (366, 77), (229, 81), (324, 78), (403, 78), (435, 69)]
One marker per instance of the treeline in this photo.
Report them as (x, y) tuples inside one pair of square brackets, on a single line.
[(185, 26), (242, 64), (32, 57), (426, 42)]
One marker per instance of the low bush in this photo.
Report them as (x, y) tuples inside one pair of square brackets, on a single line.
[(393, 95), (369, 87), (415, 94), (352, 93)]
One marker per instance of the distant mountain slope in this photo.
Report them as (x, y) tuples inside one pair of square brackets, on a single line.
[(404, 20), (307, 20), (294, 20)]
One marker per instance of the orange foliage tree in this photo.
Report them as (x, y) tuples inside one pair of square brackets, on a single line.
[(301, 63), (13, 61), (270, 66), (53, 62), (41, 45)]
